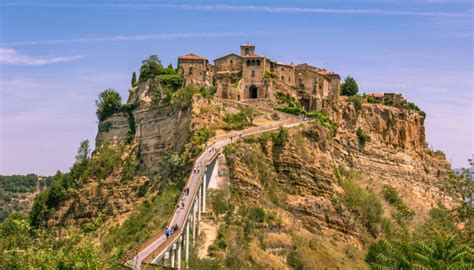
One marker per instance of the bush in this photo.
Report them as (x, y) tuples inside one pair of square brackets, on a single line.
[(390, 195), (388, 100), (371, 99), (171, 81), (294, 260), (363, 138), (292, 106), (183, 97), (109, 103), (256, 214), (356, 100), (240, 120), (281, 137), (349, 87), (105, 160), (269, 74), (323, 119), (105, 126), (364, 204)]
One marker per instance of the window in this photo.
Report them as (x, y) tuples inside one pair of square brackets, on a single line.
[(282, 69), (253, 73), (248, 62), (283, 78), (258, 62), (231, 62), (247, 51), (190, 71)]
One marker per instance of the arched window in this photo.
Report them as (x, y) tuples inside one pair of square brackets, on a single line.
[(253, 62), (231, 62), (253, 73), (248, 62), (247, 51), (190, 71), (258, 62)]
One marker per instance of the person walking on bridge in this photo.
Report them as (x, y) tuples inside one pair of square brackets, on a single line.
[(167, 232)]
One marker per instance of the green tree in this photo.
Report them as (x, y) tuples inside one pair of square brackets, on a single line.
[(134, 79), (109, 103), (349, 87), (151, 67), (442, 253), (83, 152)]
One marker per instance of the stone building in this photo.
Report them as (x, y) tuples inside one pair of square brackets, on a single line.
[(195, 70), (248, 76)]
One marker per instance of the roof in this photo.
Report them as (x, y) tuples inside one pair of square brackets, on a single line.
[(226, 56), (376, 94), (247, 45), (284, 64), (192, 56)]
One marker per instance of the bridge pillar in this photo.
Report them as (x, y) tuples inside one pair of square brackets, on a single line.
[(199, 204), (178, 253), (194, 223), (186, 244), (204, 186), (165, 258), (173, 251)]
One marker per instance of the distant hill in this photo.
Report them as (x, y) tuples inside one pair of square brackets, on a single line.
[(17, 192)]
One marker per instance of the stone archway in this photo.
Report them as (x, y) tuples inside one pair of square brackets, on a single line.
[(253, 91)]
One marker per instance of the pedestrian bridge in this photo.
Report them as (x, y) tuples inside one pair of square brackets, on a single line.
[(171, 251)]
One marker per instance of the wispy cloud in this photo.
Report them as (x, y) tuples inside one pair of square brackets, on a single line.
[(247, 8), (13, 57), (163, 36)]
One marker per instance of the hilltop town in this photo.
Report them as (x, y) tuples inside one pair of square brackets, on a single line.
[(256, 163)]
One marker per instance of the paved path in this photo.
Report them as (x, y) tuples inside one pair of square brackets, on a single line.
[(159, 243)]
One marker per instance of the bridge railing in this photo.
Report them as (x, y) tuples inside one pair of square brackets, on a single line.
[(162, 248)]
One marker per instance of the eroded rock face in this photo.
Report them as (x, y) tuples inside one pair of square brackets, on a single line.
[(303, 168)]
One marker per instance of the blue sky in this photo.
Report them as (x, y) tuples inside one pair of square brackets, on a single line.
[(55, 58)]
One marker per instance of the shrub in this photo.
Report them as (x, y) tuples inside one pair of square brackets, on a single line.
[(390, 195), (290, 110), (294, 260), (240, 120), (256, 214), (388, 100), (269, 74), (134, 79), (362, 137), (291, 105), (371, 99), (105, 160), (281, 137), (356, 100), (183, 97), (364, 204), (323, 119), (349, 87), (171, 81), (105, 126), (109, 103), (207, 92)]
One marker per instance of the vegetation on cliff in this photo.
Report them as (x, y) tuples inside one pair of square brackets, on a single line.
[(349, 87)]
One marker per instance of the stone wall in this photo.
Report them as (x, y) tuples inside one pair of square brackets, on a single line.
[(230, 63), (195, 71)]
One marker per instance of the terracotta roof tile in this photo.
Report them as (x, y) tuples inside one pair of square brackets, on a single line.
[(192, 56)]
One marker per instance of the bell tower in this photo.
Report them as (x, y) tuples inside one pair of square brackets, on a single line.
[(247, 50)]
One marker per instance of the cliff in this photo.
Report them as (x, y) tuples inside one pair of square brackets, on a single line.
[(299, 182)]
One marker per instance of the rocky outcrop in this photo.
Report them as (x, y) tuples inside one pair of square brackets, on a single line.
[(299, 176)]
